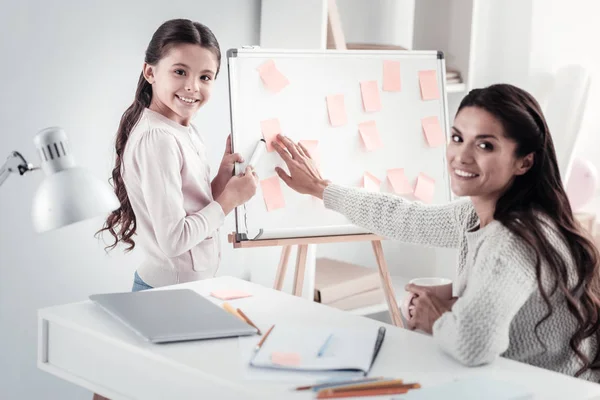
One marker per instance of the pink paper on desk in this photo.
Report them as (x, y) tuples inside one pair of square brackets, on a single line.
[(270, 129), (271, 189), (370, 135), (429, 86), (433, 131), (313, 148), (370, 182), (229, 294), (282, 358), (391, 76), (399, 181), (425, 188), (336, 110), (370, 96), (273, 79)]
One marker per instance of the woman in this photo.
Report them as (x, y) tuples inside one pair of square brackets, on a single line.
[(527, 278)]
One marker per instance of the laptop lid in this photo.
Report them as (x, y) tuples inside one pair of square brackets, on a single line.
[(172, 315)]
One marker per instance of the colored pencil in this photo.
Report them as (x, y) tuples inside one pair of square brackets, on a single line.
[(342, 382), (328, 394), (259, 345), (370, 385), (229, 308), (380, 391), (248, 321)]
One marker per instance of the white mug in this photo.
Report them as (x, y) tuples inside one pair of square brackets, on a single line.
[(441, 287)]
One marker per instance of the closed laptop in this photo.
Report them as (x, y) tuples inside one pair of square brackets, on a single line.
[(172, 315)]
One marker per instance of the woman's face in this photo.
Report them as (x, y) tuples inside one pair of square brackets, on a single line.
[(481, 159)]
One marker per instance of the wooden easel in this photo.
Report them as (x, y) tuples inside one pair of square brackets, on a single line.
[(335, 40), (302, 243)]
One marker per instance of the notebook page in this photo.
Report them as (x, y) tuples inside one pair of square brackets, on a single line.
[(347, 349)]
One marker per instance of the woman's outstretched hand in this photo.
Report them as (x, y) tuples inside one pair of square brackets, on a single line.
[(304, 175)]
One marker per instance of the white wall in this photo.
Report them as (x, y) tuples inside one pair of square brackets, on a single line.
[(502, 42), (75, 64)]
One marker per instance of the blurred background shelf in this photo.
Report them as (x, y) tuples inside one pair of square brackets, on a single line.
[(456, 88)]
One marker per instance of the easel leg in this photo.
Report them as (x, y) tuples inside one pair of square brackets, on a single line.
[(300, 269), (386, 283), (335, 33), (281, 269)]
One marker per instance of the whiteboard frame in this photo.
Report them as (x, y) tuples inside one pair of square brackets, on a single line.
[(322, 231)]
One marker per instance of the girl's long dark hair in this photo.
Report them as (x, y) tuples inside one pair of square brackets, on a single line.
[(540, 191), (121, 223)]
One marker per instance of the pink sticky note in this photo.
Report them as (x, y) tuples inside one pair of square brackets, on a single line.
[(273, 79), (229, 294), (370, 182), (391, 76), (370, 135), (283, 358), (433, 131), (270, 129), (399, 181), (425, 188), (370, 96), (313, 148), (336, 110), (429, 86), (271, 189)]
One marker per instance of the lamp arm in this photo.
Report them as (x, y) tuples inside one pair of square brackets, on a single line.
[(14, 163)]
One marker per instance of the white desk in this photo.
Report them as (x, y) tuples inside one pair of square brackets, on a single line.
[(82, 344)]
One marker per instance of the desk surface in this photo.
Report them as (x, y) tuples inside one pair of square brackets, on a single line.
[(82, 344)]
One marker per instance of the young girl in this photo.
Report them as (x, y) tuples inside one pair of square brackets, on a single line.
[(528, 280), (161, 174)]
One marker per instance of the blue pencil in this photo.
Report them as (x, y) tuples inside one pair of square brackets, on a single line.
[(324, 347)]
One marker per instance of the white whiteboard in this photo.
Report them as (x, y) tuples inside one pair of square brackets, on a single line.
[(303, 115)]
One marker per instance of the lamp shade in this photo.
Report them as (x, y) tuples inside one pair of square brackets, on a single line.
[(68, 194)]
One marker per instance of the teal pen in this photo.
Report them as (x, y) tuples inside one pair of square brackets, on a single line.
[(324, 347)]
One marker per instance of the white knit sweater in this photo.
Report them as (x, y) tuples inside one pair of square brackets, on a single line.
[(499, 300)]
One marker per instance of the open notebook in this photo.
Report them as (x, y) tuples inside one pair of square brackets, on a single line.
[(319, 349)]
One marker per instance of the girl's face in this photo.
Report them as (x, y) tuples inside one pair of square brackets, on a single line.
[(481, 159), (181, 81)]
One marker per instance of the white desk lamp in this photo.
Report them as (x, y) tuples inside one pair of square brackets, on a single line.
[(68, 194)]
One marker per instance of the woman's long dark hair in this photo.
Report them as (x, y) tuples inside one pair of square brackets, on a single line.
[(540, 191), (121, 223)]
